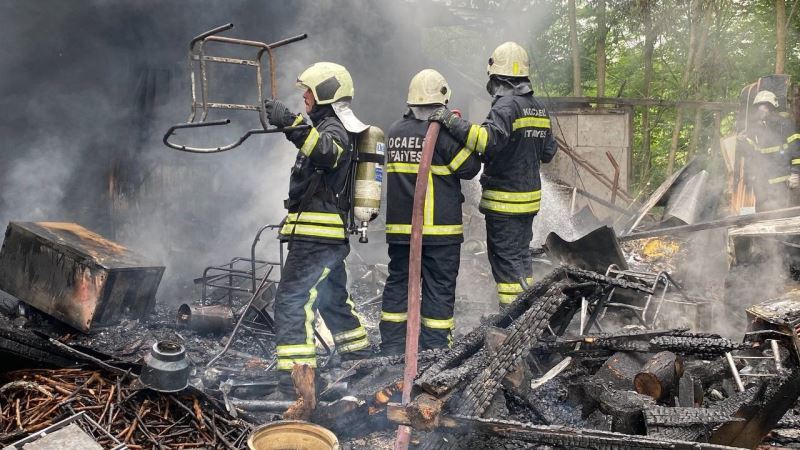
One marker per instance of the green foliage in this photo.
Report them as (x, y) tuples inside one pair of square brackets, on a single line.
[(740, 47)]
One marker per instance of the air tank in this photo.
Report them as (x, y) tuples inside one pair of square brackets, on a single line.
[(369, 176)]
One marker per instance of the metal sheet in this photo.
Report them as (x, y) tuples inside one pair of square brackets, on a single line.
[(76, 275), (595, 251), (687, 204)]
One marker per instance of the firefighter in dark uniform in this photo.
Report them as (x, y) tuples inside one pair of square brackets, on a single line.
[(513, 141), (442, 231), (313, 276), (771, 147)]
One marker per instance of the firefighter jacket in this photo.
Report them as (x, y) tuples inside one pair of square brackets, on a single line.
[(771, 149), (451, 162), (513, 141), (317, 202)]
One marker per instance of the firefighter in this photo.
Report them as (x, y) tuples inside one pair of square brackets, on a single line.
[(771, 148), (442, 231), (513, 141), (313, 276)]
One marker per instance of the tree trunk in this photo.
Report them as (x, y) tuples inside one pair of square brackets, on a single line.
[(576, 51), (650, 36), (676, 134), (780, 35), (602, 34), (694, 142)]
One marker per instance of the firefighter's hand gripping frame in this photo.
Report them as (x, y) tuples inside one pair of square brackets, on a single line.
[(198, 62)]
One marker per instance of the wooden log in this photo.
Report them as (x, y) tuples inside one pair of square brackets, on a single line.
[(625, 407), (303, 378), (619, 370), (659, 375)]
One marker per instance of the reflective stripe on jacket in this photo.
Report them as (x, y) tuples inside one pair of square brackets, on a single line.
[(451, 162), (514, 140), (323, 151)]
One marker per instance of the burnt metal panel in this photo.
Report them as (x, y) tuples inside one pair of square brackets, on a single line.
[(76, 275)]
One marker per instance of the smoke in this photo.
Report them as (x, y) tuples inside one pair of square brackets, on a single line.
[(88, 89)]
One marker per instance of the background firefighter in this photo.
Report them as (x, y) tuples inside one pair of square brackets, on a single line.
[(314, 274), (513, 140), (771, 147), (442, 231)]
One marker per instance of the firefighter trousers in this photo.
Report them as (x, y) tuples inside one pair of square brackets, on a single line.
[(314, 278), (439, 272), (508, 241)]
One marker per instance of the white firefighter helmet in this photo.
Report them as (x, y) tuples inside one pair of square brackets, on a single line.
[(428, 87), (329, 82), (508, 59), (766, 97)]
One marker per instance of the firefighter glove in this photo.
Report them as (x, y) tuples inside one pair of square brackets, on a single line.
[(444, 116), (794, 181), (278, 114)]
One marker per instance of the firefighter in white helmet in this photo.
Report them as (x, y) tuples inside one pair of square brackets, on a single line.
[(513, 141), (771, 147), (442, 230), (313, 276)]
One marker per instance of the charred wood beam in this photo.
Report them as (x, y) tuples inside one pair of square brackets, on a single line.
[(478, 394), (588, 275), (425, 357), (468, 345), (556, 436), (663, 416), (761, 416), (449, 379), (704, 347)]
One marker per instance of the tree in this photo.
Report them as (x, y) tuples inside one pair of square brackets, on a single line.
[(780, 35), (600, 56), (576, 51)]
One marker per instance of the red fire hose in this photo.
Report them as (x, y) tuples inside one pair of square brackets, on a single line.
[(414, 277)]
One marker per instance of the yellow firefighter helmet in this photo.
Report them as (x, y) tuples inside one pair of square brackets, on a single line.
[(329, 82), (428, 87), (509, 59), (766, 97)]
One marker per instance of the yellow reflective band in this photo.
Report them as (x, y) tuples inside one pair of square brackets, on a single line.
[(506, 299), (349, 302), (308, 307), (328, 218), (310, 142), (429, 230), (339, 151), (288, 364), (509, 288), (414, 168), (518, 208), (778, 179), (427, 217), (472, 137), (350, 335), (530, 121), (483, 137), (313, 230), (353, 346), (793, 137), (796, 161), (768, 150), (438, 324), (459, 159), (296, 350), (518, 197), (394, 317), (297, 120)]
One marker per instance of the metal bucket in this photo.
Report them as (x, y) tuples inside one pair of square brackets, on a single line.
[(292, 435)]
